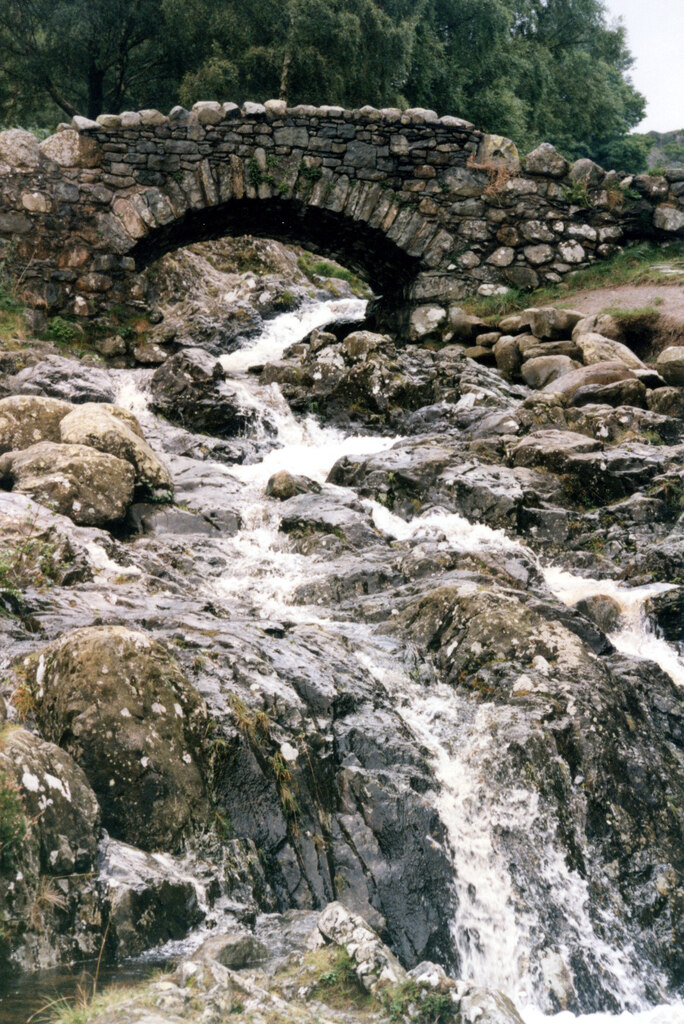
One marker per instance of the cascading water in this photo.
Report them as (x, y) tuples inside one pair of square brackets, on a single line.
[(494, 932)]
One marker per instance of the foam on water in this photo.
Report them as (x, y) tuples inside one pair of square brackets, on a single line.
[(278, 334), (635, 635)]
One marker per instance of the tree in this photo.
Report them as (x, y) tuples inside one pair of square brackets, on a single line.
[(85, 55), (349, 52)]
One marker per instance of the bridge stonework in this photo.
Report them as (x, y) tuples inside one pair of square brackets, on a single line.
[(427, 209)]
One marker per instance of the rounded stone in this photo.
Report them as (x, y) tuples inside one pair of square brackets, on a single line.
[(670, 365), (19, 148), (546, 160), (116, 701)]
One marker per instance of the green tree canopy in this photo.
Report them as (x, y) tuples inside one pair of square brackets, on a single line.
[(86, 56), (534, 70)]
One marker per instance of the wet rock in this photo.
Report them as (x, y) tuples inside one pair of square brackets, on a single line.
[(66, 379), (90, 487), (482, 1006), (284, 485), (670, 364), (48, 900), (117, 432), (27, 420), (236, 950), (551, 449), (667, 610), (150, 899), (114, 699), (191, 389), (60, 551), (603, 610), (151, 520), (329, 513)]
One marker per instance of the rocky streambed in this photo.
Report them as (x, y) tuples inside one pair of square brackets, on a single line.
[(331, 657)]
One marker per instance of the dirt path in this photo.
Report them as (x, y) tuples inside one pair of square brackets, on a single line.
[(666, 299)]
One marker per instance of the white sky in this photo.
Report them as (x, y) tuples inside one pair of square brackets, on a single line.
[(655, 30)]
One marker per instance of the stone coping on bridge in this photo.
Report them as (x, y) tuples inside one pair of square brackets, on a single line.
[(426, 208), (208, 112)]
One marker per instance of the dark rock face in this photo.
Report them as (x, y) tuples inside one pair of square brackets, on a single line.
[(148, 902), (48, 897), (129, 718), (191, 389)]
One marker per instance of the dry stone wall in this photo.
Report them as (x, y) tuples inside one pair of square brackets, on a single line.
[(426, 208)]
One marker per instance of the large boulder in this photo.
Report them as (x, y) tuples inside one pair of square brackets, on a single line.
[(118, 703), (597, 349), (670, 364), (90, 487), (49, 904), (542, 370), (68, 379), (117, 432), (599, 374), (25, 420), (191, 389)]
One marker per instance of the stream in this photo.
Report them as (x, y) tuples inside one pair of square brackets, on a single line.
[(256, 576)]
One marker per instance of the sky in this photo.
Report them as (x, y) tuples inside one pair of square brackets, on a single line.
[(655, 30)]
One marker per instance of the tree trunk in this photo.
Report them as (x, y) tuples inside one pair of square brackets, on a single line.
[(95, 91)]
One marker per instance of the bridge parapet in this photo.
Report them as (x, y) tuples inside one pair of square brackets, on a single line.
[(427, 209)]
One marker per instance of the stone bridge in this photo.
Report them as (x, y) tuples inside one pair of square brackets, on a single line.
[(426, 209)]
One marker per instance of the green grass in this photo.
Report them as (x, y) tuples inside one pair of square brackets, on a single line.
[(27, 562), (314, 267), (636, 265)]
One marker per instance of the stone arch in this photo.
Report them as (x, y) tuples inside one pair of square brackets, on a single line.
[(426, 208)]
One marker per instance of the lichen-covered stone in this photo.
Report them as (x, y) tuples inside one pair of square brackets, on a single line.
[(27, 419), (116, 432), (90, 487), (116, 701)]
